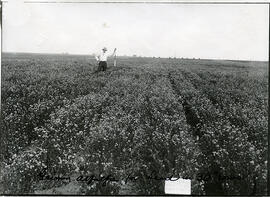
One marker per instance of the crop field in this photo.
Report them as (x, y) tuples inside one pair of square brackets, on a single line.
[(204, 120)]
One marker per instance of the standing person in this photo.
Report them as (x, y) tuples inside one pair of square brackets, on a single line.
[(102, 59)]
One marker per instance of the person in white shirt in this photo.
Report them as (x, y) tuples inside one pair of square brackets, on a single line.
[(102, 59)]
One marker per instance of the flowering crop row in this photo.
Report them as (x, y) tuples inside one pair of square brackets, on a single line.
[(227, 145), (146, 116), (134, 124)]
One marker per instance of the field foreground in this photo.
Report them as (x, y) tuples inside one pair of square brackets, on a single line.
[(205, 120)]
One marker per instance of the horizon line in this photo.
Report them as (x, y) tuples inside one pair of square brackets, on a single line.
[(135, 55)]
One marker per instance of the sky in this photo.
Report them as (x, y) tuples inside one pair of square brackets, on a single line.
[(215, 31)]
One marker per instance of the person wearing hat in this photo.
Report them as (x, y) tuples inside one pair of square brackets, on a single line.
[(102, 59)]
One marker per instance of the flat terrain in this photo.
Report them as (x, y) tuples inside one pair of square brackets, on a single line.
[(206, 120)]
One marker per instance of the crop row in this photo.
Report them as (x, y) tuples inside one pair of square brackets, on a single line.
[(134, 124), (226, 147), (243, 100)]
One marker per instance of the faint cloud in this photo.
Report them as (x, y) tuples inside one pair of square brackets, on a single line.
[(16, 13)]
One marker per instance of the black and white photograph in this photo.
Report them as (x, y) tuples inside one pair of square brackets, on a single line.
[(134, 98)]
